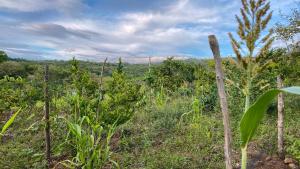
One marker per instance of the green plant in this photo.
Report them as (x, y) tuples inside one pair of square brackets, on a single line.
[(161, 98), (91, 144), (294, 148), (120, 100), (3, 56), (171, 74), (253, 116), (8, 123)]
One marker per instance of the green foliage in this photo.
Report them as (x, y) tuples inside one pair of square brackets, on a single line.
[(288, 31), (171, 74), (205, 87), (16, 92), (154, 138), (3, 56), (253, 116), (294, 148), (92, 150), (15, 69), (161, 97), (9, 122), (81, 80), (120, 100), (120, 66), (173, 129)]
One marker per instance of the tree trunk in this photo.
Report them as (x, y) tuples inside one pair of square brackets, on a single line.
[(223, 100), (280, 124), (47, 126)]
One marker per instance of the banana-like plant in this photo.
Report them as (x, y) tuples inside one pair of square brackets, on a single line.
[(9, 122), (254, 114)]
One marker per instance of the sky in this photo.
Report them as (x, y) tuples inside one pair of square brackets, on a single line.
[(132, 29)]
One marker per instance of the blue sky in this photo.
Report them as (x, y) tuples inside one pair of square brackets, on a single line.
[(131, 29)]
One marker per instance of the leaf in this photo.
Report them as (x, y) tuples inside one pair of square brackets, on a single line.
[(9, 122), (255, 113), (75, 129)]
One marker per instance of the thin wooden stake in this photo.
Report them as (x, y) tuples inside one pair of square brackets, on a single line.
[(280, 124), (47, 127), (101, 91), (101, 79), (213, 42), (149, 64)]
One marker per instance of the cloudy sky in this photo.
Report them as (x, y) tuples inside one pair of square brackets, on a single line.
[(132, 29)]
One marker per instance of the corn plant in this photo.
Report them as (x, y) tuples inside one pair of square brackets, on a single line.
[(253, 116), (91, 143)]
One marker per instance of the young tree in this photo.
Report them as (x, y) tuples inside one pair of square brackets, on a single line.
[(121, 98)]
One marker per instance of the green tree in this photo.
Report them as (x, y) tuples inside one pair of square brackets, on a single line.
[(288, 31), (171, 74), (121, 98), (3, 56)]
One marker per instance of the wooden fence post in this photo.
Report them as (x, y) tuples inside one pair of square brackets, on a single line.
[(101, 91), (47, 126), (101, 79), (223, 100), (280, 124)]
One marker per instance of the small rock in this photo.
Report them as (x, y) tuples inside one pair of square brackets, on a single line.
[(236, 166), (293, 166), (275, 157), (288, 160), (268, 158), (258, 163)]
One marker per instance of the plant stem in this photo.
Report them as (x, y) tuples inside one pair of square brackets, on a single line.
[(244, 157), (247, 102), (248, 87)]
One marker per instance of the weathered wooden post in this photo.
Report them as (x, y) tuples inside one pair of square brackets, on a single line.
[(223, 100), (280, 124), (101, 79), (101, 91), (47, 126), (149, 64)]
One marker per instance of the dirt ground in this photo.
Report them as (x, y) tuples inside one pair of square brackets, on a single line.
[(260, 160)]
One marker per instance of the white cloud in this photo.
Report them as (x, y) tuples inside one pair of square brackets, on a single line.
[(40, 5), (173, 30)]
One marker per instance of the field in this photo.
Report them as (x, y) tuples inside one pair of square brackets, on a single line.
[(166, 130), (240, 111)]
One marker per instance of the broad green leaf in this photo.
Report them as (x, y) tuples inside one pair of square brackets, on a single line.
[(255, 113), (9, 122)]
